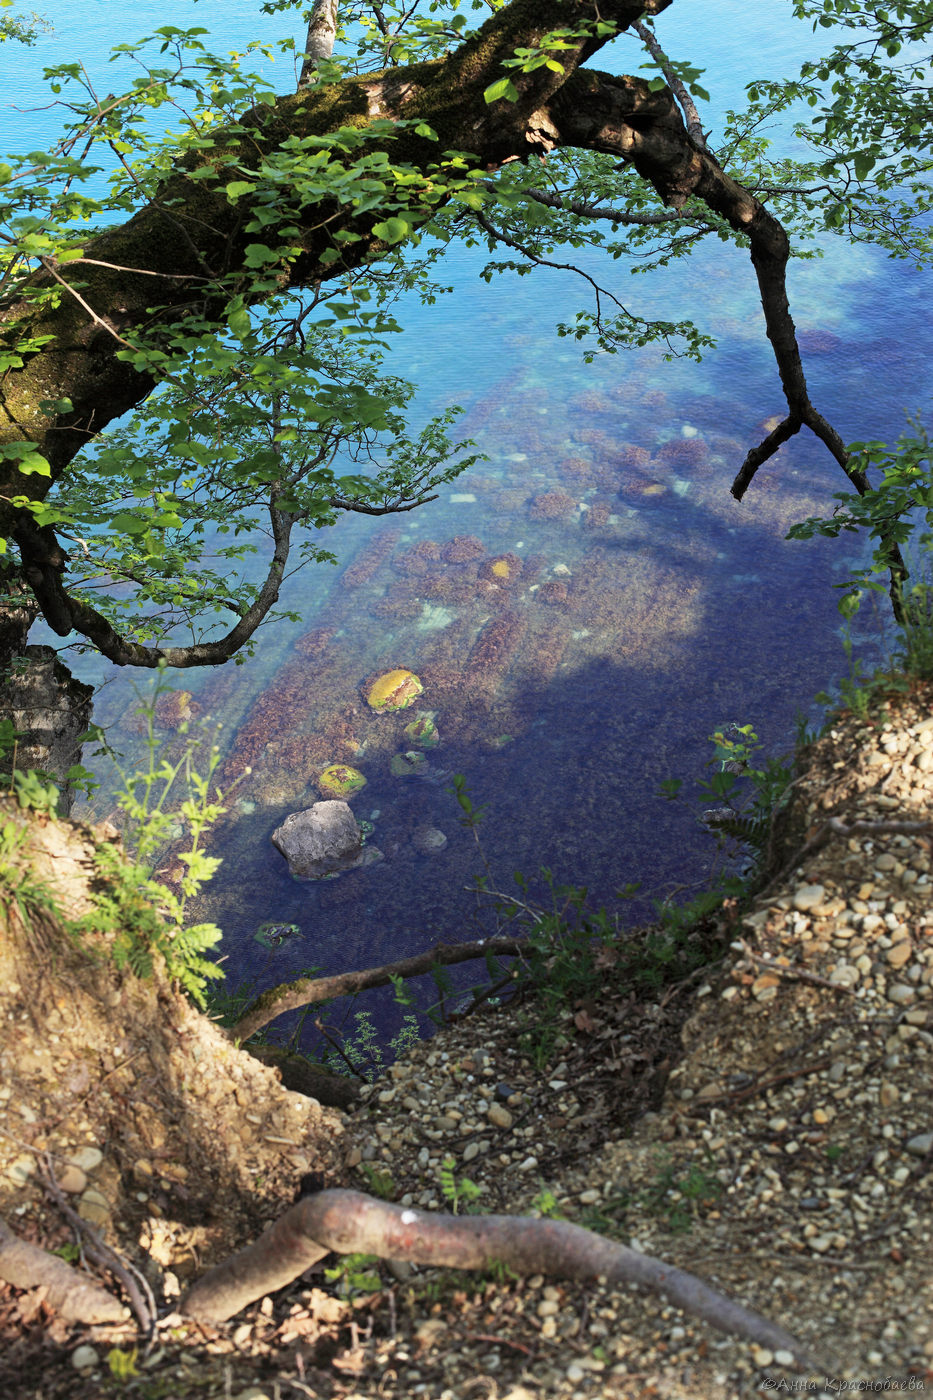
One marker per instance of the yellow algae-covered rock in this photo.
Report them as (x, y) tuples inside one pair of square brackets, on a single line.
[(396, 690), (339, 780), (423, 731)]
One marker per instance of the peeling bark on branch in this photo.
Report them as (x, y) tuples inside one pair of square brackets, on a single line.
[(349, 1222)]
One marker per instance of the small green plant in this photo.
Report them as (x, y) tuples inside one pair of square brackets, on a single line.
[(363, 1049), (380, 1181), (35, 791), (122, 1364), (353, 1275), (679, 1199), (144, 917), (457, 1191), (20, 888), (749, 794), (547, 1205)]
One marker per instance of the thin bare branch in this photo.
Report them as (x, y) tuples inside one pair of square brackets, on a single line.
[(677, 86)]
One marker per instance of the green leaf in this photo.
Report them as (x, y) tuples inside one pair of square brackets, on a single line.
[(238, 187), (34, 464), (392, 230), (258, 254), (863, 162), (504, 88)]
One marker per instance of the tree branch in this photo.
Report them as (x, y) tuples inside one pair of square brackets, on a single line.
[(574, 107), (349, 1222), (290, 995), (680, 90)]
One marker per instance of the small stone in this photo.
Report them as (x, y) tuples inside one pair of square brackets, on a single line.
[(470, 1151), (783, 1358), (94, 1208), (820, 1243), (547, 1308), (920, 1145), (844, 975), (762, 1356), (500, 1116), (21, 1169), (900, 953), (72, 1179), (807, 896), (901, 994), (88, 1158), (589, 1197), (84, 1358), (764, 988)]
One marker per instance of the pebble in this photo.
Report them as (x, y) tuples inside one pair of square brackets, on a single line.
[(920, 1145), (500, 1116), (807, 896), (21, 1169), (94, 1208), (87, 1158), (72, 1179), (84, 1358)]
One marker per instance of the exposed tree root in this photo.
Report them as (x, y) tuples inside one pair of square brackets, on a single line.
[(69, 1292), (349, 1222)]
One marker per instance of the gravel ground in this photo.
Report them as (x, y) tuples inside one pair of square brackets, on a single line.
[(767, 1125)]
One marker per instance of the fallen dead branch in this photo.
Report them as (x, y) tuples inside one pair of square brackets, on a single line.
[(133, 1282), (72, 1294), (349, 1222), (305, 990)]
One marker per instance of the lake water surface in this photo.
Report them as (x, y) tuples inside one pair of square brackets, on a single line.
[(636, 606)]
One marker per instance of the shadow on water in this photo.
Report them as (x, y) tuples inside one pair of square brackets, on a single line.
[(583, 609), (563, 716)]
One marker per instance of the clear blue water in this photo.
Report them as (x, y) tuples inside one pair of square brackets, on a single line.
[(566, 697)]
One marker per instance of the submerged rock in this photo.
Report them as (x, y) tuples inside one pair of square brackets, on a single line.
[(274, 935), (423, 731), (339, 780), (396, 690), (408, 765), (321, 840), (428, 840)]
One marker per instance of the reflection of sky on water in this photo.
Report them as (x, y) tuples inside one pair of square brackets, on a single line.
[(684, 610)]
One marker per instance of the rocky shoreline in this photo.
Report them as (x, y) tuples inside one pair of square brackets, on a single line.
[(767, 1124)]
